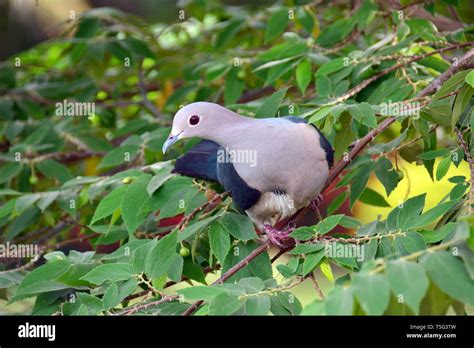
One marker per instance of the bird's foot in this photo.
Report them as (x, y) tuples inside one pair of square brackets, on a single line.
[(278, 237), (316, 202)]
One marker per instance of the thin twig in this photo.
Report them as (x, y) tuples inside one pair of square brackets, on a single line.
[(143, 91), (316, 286), (353, 91)]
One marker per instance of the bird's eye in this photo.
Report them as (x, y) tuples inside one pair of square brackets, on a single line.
[(194, 120)]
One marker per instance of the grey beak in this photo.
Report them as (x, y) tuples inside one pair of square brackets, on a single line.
[(170, 141)]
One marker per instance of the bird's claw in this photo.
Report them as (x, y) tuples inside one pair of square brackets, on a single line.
[(316, 202), (278, 237)]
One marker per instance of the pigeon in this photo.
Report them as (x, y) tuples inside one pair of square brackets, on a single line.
[(271, 167)]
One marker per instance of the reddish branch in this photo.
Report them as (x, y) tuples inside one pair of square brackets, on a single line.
[(237, 267)]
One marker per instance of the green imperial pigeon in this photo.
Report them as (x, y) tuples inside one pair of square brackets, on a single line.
[(271, 167)]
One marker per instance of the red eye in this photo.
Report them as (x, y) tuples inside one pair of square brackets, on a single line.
[(194, 120)]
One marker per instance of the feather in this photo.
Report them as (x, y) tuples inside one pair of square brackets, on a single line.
[(199, 162)]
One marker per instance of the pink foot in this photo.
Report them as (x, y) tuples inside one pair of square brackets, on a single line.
[(276, 236)]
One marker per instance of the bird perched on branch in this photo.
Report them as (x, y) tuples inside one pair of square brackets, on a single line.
[(271, 167)]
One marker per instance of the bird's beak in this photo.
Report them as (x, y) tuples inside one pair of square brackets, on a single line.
[(170, 141)]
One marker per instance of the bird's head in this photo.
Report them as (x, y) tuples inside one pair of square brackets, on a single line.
[(200, 119)]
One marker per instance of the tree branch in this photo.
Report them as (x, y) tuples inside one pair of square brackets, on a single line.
[(360, 144), (237, 267), (356, 89)]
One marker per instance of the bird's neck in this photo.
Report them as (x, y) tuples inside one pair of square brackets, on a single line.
[(230, 136)]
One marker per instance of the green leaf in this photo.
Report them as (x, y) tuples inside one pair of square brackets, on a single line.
[(306, 18), (192, 229), (109, 204), (87, 27), (337, 202), (372, 292), (252, 284), (257, 305), (451, 84), (51, 168), (324, 86), (290, 302), (303, 75), (112, 272), (410, 243), (239, 226), (161, 256), (225, 304), (26, 201), (328, 224), (260, 267), (137, 46), (450, 275), (50, 271), (91, 304), (233, 87), (312, 260), (306, 248), (434, 154), (340, 301), (336, 31), (320, 114), (374, 198), (22, 222), (409, 213), (408, 282), (224, 36), (303, 233), (434, 213), (111, 297), (47, 198), (332, 66), (364, 113), (206, 293), (276, 24), (219, 241), (270, 106), (133, 200), (140, 256), (439, 234), (359, 181), (9, 171), (461, 100), (386, 174), (470, 78), (124, 153), (159, 179), (443, 167)]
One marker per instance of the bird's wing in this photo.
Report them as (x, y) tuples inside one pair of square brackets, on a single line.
[(322, 139), (199, 162)]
